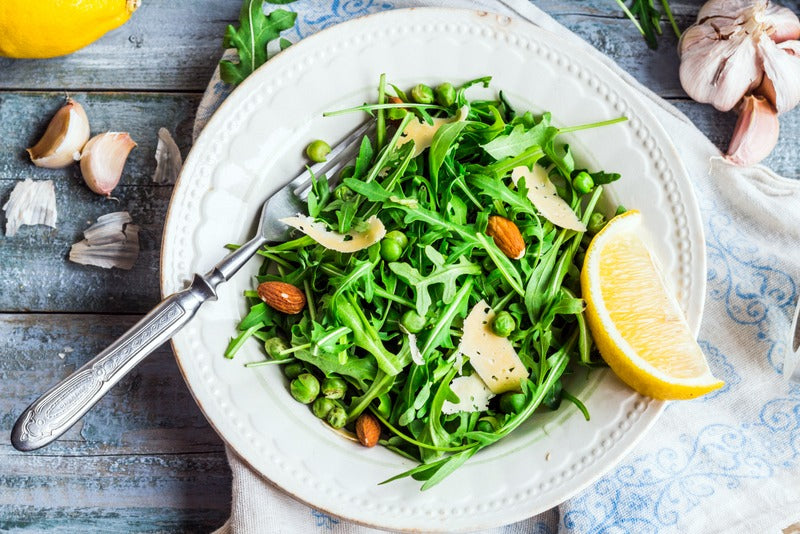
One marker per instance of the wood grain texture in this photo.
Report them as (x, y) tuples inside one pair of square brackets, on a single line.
[(143, 459), (35, 273)]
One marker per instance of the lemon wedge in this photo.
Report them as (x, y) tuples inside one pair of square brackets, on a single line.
[(636, 323)]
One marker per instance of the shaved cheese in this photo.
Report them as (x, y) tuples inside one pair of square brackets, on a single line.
[(542, 193), (493, 357), (349, 242), (472, 393), (30, 203), (110, 242), (422, 133)]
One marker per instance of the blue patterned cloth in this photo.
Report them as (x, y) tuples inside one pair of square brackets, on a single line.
[(727, 462)]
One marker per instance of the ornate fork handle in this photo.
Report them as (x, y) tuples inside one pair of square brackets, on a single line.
[(64, 404)]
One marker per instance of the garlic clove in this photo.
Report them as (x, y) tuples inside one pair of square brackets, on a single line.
[(783, 24), (756, 132), (717, 71), (782, 67), (103, 159), (64, 138)]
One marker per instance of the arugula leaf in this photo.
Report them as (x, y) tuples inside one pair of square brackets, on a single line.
[(365, 336), (319, 194), (519, 139), (250, 40), (447, 275), (603, 178)]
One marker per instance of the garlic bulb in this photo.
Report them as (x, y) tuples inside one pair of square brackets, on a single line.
[(103, 159), (756, 132), (64, 138), (737, 46)]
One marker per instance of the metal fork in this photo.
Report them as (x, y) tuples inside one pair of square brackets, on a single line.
[(69, 400)]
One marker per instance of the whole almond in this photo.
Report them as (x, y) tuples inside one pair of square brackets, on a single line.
[(283, 297), (506, 236), (368, 429)]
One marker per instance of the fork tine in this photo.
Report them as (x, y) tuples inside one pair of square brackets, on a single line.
[(338, 155)]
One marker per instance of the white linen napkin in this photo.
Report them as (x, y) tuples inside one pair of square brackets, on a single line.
[(727, 462)]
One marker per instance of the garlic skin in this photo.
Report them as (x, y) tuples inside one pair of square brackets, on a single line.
[(113, 241), (31, 203), (738, 45), (103, 159), (64, 138), (756, 132), (168, 159)]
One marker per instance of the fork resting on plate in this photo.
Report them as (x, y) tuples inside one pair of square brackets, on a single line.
[(69, 400)]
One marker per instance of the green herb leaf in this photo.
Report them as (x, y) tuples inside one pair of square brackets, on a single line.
[(250, 40)]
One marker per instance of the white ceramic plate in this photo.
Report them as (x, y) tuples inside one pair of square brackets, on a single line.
[(254, 143)]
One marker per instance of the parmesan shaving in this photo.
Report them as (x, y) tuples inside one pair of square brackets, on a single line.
[(472, 393), (111, 242), (493, 357), (422, 133), (350, 242), (542, 193), (168, 159), (30, 203)]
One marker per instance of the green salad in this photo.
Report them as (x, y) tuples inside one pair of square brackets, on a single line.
[(438, 281)]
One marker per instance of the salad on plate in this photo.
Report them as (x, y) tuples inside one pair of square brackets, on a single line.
[(432, 298)]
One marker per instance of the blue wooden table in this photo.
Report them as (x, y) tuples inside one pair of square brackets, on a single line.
[(144, 459)]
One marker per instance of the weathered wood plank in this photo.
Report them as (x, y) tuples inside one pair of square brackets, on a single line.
[(104, 520), (143, 459), (35, 269)]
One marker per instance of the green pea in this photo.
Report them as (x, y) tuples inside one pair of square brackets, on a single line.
[(346, 172), (397, 235), (334, 387), (396, 114), (413, 322), (422, 94), (304, 388), (446, 94), (318, 150), (274, 346), (503, 324), (322, 407), (337, 417), (390, 250), (583, 182), (596, 222), (484, 426), (293, 370), (512, 403), (620, 210)]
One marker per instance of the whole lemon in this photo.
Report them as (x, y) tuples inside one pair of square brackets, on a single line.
[(49, 28)]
